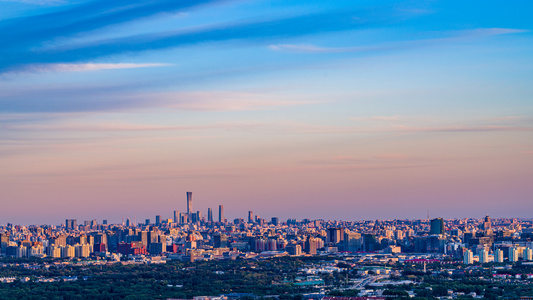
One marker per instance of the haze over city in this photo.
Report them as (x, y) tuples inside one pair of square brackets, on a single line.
[(344, 110)]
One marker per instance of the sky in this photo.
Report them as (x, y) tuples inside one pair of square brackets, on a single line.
[(341, 110)]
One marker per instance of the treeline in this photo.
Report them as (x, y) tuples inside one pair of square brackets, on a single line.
[(175, 279)]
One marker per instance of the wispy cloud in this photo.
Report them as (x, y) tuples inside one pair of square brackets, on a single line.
[(124, 127), (91, 99), (29, 41), (391, 156), (508, 118), (229, 101), (319, 129), (90, 67), (28, 33), (38, 2), (462, 128), (290, 128), (454, 36), (491, 31), (308, 48), (386, 118), (383, 161), (363, 164), (380, 118)]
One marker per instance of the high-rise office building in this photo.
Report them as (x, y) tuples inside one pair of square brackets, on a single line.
[(294, 249), (176, 216), (158, 220), (184, 219), (311, 245), (153, 237), (220, 241), (437, 226), (189, 203), (209, 215), (143, 237), (352, 241), (275, 221), (250, 216), (4, 242), (221, 217), (487, 223), (71, 224), (335, 235), (527, 254), (370, 242), (468, 257)]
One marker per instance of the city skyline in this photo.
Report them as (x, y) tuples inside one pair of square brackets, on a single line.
[(177, 217), (343, 110), (117, 217)]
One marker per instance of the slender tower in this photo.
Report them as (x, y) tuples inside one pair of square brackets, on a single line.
[(189, 203), (176, 216), (221, 213), (209, 215), (250, 216)]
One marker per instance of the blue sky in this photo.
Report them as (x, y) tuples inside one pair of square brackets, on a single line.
[(122, 102)]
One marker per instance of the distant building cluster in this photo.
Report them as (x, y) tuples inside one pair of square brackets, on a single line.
[(192, 236)]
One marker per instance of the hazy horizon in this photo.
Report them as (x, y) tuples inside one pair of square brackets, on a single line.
[(303, 109)]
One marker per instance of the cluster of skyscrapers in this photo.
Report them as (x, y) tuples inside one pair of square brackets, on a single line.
[(190, 235), (193, 217)]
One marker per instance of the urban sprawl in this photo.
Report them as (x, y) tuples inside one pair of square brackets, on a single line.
[(458, 246)]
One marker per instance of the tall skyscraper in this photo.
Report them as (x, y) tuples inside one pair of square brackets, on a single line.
[(176, 216), (189, 203), (158, 220), (71, 224), (437, 226), (209, 215), (250, 216), (221, 213)]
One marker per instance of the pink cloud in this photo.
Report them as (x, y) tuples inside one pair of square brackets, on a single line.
[(387, 118), (229, 101)]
